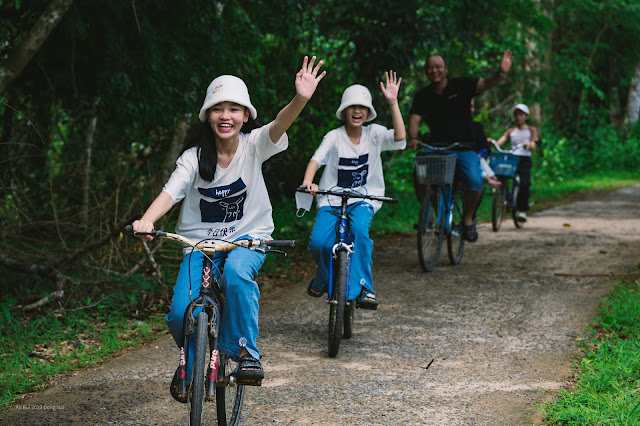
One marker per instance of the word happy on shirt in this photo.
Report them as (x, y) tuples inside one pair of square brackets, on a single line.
[(227, 206)]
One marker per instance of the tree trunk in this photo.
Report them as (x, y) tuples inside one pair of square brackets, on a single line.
[(86, 174), (22, 54), (633, 101), (177, 144)]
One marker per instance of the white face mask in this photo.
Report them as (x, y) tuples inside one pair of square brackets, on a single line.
[(303, 203)]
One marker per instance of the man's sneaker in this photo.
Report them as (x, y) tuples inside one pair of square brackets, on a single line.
[(521, 216)]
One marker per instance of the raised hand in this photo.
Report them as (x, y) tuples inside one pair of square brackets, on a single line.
[(390, 91), (506, 62), (307, 78)]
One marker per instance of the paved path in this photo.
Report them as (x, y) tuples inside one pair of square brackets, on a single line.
[(501, 330)]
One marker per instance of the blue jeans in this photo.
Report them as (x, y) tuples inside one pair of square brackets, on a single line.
[(240, 316), (323, 238), (468, 165)]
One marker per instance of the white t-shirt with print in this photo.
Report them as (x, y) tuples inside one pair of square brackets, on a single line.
[(236, 202), (357, 167)]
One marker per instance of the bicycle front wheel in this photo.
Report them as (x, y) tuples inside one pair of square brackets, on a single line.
[(498, 206), (229, 396), (337, 301), (196, 398), (430, 227), (514, 200), (455, 243)]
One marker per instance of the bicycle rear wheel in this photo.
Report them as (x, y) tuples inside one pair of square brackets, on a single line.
[(499, 205), (196, 397), (337, 301), (455, 243), (229, 397), (514, 200), (430, 230), (349, 310)]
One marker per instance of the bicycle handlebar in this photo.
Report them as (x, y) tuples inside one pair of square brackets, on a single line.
[(505, 151), (349, 194), (439, 148), (211, 246)]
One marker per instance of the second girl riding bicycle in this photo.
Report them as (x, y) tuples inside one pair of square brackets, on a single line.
[(351, 156)]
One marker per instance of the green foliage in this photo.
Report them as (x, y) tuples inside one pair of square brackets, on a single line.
[(607, 378)]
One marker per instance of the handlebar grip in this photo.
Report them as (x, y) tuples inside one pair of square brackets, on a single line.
[(302, 189), (280, 243), (390, 200)]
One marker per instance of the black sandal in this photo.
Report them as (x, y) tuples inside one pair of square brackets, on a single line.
[(469, 233), (249, 371), (313, 292), (180, 397), (367, 300)]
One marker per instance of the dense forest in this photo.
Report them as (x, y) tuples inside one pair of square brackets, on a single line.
[(97, 100)]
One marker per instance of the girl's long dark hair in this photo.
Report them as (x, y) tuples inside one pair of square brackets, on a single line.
[(207, 153)]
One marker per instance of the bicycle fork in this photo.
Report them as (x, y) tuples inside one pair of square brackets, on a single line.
[(205, 301), (341, 245)]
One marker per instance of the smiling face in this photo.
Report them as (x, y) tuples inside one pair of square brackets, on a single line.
[(226, 119), (355, 115), (519, 117), (436, 69)]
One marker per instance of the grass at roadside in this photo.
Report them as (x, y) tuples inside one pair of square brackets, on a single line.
[(92, 324), (81, 330), (607, 381)]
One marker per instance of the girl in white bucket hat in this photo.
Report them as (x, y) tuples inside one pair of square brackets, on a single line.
[(524, 139), (351, 156), (224, 196)]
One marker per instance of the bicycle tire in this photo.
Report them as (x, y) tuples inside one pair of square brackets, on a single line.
[(229, 397), (514, 210), (455, 242), (349, 311), (430, 230), (337, 301), (197, 394), (498, 206)]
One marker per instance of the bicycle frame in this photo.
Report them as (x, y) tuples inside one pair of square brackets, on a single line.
[(211, 299), (341, 241)]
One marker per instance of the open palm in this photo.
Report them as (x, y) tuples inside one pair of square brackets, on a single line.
[(390, 90), (307, 78)]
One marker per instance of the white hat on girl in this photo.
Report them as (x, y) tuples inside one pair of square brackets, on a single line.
[(227, 88), (356, 95), (521, 107)]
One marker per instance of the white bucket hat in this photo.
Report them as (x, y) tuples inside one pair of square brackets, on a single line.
[(227, 88), (521, 107), (356, 95)]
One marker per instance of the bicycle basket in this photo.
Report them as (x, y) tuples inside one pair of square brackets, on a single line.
[(504, 164), (434, 169)]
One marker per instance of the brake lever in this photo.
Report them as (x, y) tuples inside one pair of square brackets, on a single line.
[(284, 253)]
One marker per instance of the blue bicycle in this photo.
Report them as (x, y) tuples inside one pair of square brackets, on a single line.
[(341, 310), (505, 165), (441, 208)]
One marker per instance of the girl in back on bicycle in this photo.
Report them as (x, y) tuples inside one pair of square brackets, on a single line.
[(351, 156), (524, 139), (224, 196)]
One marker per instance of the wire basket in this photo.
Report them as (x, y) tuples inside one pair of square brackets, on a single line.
[(504, 164), (434, 169)]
